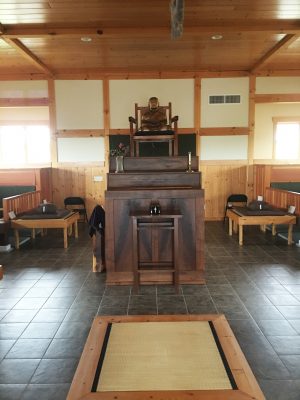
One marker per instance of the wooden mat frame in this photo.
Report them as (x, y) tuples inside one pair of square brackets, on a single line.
[(247, 386)]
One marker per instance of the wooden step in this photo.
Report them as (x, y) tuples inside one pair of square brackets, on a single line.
[(176, 163), (154, 179)]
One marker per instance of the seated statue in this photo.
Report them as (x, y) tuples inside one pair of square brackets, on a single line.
[(154, 118), (153, 123)]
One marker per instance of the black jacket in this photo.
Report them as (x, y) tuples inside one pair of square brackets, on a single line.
[(97, 221)]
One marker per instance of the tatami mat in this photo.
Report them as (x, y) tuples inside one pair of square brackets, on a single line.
[(162, 356)]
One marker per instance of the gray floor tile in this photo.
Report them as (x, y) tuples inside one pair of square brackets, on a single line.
[(40, 330), (17, 371), (253, 275), (280, 389), (55, 371), (65, 348), (19, 316), (28, 348), (59, 302), (46, 392), (69, 330), (285, 344), (276, 328), (11, 391), (5, 346), (50, 315), (171, 304), (142, 305), (28, 303), (12, 330), (290, 312)]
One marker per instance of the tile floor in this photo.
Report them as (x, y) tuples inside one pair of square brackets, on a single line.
[(49, 297)]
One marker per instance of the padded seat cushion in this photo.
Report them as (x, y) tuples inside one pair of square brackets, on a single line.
[(154, 133)]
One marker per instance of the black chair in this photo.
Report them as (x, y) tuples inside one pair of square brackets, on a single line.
[(76, 204), (240, 199)]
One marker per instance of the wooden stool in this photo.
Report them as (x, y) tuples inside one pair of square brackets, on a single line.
[(167, 221)]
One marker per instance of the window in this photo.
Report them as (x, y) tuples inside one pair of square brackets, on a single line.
[(287, 140), (24, 145)]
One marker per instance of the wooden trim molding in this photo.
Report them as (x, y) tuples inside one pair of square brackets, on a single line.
[(24, 102), (224, 131), (79, 133), (277, 98)]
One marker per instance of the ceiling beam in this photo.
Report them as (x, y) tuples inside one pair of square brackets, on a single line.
[(283, 43), (13, 31), (26, 53)]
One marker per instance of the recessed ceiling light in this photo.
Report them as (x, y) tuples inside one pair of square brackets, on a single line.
[(217, 37), (86, 39)]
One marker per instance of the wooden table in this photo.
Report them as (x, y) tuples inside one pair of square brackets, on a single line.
[(238, 219), (61, 223)]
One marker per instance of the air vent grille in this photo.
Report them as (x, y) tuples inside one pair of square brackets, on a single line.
[(216, 99), (225, 99), (233, 98)]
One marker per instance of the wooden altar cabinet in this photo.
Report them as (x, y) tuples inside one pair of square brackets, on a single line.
[(133, 191)]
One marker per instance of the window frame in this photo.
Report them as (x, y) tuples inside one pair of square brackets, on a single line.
[(25, 123), (276, 121)]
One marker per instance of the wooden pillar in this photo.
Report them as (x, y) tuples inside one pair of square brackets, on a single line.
[(106, 113), (52, 121)]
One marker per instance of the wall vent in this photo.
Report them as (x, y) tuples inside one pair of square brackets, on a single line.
[(225, 99), (233, 98), (216, 99)]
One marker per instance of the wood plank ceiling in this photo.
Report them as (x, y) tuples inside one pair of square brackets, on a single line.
[(133, 36)]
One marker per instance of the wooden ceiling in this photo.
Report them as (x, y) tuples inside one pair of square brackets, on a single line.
[(133, 36)]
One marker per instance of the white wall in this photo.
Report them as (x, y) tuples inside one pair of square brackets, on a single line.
[(79, 104), (125, 93), (269, 85), (23, 89), (224, 115), (80, 149), (16, 114), (224, 147)]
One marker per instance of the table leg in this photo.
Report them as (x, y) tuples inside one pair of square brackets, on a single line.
[(230, 226), (135, 256), (273, 229), (33, 233), (65, 238), (235, 227), (290, 234), (17, 239), (241, 235), (263, 228), (70, 230), (175, 257), (170, 147), (76, 229)]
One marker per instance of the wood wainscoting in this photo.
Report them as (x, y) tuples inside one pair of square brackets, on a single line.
[(79, 181), (219, 180)]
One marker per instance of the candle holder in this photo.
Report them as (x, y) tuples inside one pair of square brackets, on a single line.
[(189, 162)]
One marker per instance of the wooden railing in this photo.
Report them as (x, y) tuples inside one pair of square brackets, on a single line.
[(283, 198), (20, 203)]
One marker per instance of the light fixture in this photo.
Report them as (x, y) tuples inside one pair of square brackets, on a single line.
[(86, 39), (217, 37)]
